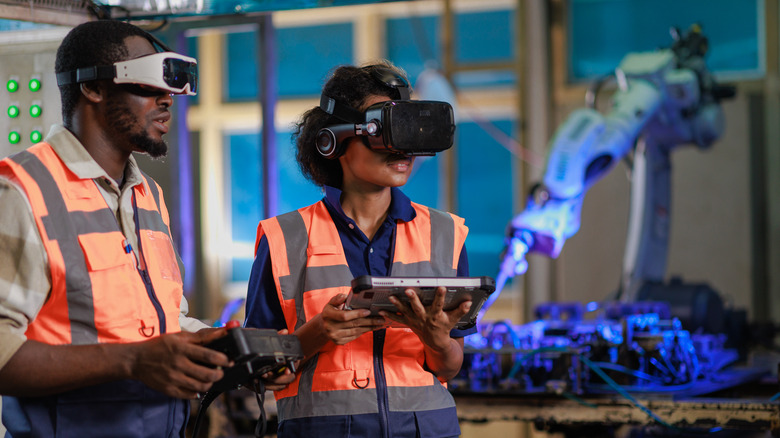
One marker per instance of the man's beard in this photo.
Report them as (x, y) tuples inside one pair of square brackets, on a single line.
[(122, 121)]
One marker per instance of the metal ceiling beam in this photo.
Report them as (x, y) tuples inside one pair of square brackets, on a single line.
[(57, 12)]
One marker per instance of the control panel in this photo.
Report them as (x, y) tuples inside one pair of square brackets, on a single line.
[(29, 97)]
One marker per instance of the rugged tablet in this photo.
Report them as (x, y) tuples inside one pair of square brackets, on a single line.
[(369, 292)]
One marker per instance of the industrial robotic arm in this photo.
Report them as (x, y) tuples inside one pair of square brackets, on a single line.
[(664, 99)]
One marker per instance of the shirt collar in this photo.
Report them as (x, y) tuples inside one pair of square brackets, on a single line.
[(77, 159), (400, 204)]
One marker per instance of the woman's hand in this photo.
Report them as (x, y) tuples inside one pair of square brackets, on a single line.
[(431, 324), (443, 354), (341, 326)]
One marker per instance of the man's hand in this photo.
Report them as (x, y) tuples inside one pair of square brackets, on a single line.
[(276, 381), (179, 364)]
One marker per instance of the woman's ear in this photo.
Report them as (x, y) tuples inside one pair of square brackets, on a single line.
[(92, 91)]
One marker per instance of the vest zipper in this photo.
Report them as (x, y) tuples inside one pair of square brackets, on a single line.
[(379, 361), (145, 274), (381, 382)]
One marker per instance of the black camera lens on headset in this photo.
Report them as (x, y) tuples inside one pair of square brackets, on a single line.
[(329, 139)]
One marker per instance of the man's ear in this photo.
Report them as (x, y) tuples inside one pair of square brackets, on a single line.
[(92, 91)]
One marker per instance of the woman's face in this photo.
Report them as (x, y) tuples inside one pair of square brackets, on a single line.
[(365, 168)]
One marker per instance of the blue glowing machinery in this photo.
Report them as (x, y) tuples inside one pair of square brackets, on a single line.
[(651, 336), (625, 347)]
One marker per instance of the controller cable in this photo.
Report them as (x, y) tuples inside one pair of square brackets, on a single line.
[(210, 396)]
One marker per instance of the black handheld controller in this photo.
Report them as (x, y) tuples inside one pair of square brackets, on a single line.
[(255, 352)]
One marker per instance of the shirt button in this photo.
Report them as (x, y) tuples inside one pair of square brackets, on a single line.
[(351, 226), (371, 250)]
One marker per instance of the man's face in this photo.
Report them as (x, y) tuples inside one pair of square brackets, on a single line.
[(136, 114)]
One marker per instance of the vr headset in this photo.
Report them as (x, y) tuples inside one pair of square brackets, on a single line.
[(167, 71), (408, 127)]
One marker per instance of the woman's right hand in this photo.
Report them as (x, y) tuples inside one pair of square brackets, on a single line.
[(341, 325)]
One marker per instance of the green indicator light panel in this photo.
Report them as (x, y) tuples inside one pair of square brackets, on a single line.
[(35, 84), (29, 96), (12, 85)]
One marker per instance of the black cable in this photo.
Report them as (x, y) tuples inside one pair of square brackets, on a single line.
[(205, 401), (262, 421)]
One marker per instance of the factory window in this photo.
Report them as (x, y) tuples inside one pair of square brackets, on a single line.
[(485, 191), (601, 32), (413, 43), (305, 56), (244, 174), (483, 167), (484, 36)]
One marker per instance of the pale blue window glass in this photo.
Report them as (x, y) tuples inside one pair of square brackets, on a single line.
[(305, 56), (245, 185), (485, 191)]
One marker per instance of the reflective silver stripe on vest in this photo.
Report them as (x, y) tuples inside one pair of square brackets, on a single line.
[(152, 219), (303, 278), (60, 227), (296, 240), (363, 401), (84, 222), (442, 250), (153, 188)]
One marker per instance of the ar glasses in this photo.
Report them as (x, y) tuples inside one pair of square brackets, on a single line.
[(167, 71)]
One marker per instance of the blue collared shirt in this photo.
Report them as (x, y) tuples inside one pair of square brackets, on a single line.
[(364, 257)]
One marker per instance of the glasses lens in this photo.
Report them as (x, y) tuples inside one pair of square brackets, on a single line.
[(178, 73)]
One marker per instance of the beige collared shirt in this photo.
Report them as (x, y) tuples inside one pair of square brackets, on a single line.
[(25, 280)]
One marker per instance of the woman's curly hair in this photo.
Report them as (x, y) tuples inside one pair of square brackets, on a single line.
[(348, 85)]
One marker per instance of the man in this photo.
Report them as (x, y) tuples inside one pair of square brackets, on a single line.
[(91, 305)]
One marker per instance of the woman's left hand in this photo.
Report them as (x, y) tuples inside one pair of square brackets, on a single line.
[(432, 324)]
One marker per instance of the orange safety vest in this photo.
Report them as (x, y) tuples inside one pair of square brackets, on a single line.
[(98, 293), (310, 267)]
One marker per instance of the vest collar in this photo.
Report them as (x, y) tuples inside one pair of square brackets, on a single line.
[(77, 159), (400, 204)]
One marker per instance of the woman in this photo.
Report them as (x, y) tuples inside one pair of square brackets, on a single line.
[(360, 378)]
